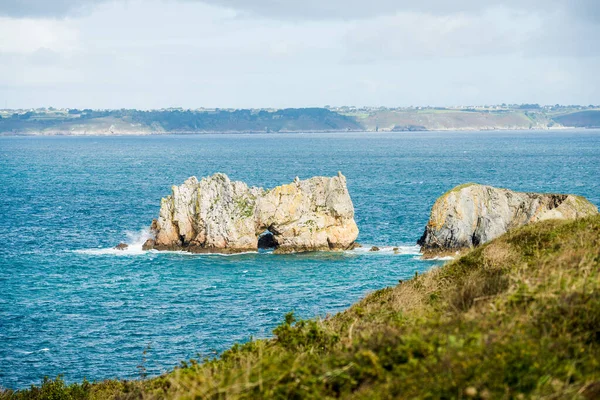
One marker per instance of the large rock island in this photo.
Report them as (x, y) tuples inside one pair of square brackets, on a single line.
[(217, 215), (472, 214)]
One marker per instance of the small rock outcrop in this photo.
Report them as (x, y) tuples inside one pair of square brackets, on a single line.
[(217, 215), (472, 214)]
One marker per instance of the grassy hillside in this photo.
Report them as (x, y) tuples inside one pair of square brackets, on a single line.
[(432, 119), (82, 122), (516, 318), (581, 119)]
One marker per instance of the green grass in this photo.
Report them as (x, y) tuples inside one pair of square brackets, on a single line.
[(459, 188), (245, 206), (516, 318)]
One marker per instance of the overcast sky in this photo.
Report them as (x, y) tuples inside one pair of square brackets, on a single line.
[(297, 53)]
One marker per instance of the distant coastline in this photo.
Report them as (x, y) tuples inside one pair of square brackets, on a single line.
[(75, 122), (191, 133)]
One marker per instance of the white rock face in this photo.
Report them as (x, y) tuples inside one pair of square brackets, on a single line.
[(218, 215), (470, 215)]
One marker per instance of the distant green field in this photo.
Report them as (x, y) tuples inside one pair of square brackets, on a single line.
[(581, 119)]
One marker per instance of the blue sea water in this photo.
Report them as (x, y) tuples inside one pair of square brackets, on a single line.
[(71, 306)]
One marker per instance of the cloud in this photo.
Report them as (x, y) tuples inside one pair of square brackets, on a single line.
[(25, 35), (46, 8), (585, 9), (362, 9), (410, 35), (317, 9), (228, 53), (566, 37)]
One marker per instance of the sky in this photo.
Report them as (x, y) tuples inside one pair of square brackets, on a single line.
[(150, 54)]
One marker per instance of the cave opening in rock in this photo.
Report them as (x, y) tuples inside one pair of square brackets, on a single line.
[(266, 240)]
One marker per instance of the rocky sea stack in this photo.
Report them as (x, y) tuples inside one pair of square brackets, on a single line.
[(472, 214), (217, 215)]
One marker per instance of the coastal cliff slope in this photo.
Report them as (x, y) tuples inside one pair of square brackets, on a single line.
[(517, 317), (218, 215), (472, 214)]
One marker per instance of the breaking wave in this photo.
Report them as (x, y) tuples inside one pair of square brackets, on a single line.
[(134, 241)]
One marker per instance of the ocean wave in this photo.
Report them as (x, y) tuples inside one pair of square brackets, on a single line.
[(388, 250), (26, 353)]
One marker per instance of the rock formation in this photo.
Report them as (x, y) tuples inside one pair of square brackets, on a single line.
[(472, 214), (217, 215)]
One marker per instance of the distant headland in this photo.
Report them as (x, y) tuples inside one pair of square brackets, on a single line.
[(71, 121)]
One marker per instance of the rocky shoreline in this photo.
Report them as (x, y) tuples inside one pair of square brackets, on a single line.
[(217, 215)]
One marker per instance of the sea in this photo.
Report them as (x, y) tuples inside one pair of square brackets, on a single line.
[(70, 305)]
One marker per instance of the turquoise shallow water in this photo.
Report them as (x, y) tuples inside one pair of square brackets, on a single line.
[(68, 306)]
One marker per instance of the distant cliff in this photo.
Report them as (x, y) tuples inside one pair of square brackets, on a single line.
[(132, 122), (581, 119)]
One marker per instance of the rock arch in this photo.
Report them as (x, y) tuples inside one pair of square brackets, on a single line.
[(218, 215)]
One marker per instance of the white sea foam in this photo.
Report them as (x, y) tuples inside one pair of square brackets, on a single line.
[(388, 250), (445, 258), (228, 255), (134, 241)]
